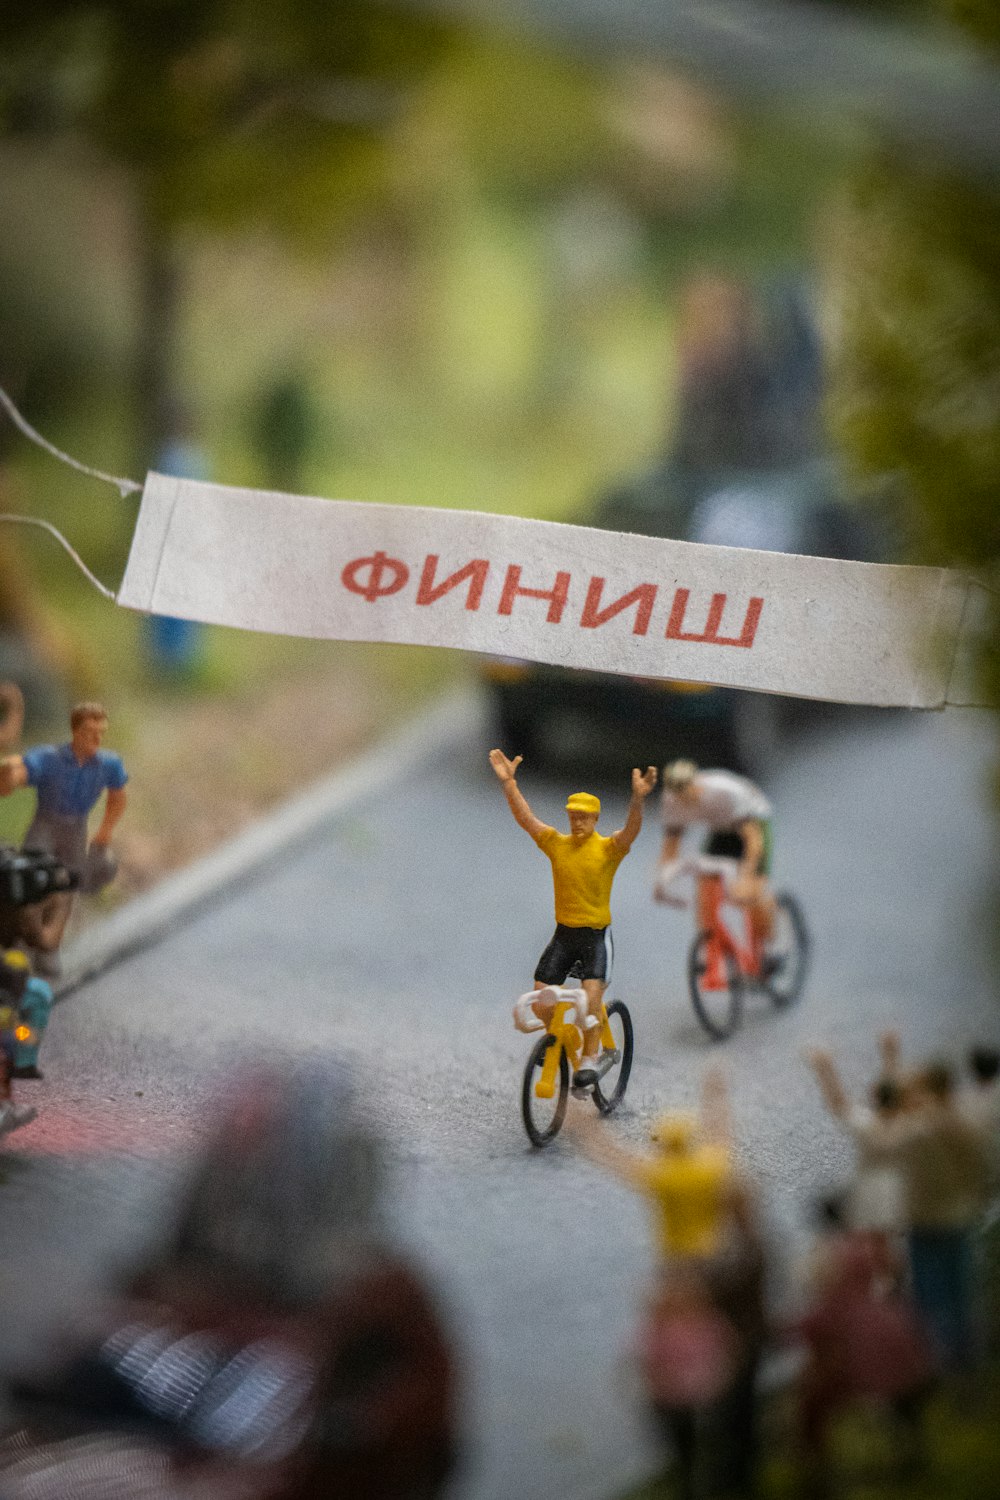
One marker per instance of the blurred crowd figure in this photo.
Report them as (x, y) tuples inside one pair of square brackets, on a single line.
[(703, 1338), (750, 376), (275, 1345), (893, 1302)]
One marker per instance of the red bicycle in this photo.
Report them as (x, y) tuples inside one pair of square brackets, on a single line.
[(724, 964)]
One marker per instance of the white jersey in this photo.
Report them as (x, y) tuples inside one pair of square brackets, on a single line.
[(724, 801)]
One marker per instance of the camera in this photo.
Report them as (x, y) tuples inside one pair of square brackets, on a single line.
[(29, 875)]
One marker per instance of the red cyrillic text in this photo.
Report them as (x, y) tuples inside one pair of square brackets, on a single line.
[(378, 576), (643, 597), (376, 566), (556, 595), (710, 635), (475, 571)]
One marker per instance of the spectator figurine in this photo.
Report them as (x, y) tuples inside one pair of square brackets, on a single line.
[(863, 1344), (923, 1172), (703, 1337), (69, 780), (881, 1131), (979, 1103)]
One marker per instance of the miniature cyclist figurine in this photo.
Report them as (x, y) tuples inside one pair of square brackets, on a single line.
[(583, 868), (69, 780), (738, 818)]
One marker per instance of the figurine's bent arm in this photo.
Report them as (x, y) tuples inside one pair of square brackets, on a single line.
[(13, 774), (671, 847), (753, 847), (114, 806)]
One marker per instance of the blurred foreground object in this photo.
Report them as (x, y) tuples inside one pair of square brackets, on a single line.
[(864, 1344), (275, 1345), (33, 887)]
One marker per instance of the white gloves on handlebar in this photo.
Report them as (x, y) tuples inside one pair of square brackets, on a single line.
[(665, 877)]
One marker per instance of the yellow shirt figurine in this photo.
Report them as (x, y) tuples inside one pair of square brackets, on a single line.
[(690, 1188), (689, 1179), (583, 868)]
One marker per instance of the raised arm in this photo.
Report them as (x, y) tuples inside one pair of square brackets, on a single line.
[(716, 1120), (604, 1150), (642, 785), (890, 1051), (828, 1078), (505, 772), (13, 774)]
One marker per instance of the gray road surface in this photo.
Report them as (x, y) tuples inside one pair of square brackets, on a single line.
[(400, 934)]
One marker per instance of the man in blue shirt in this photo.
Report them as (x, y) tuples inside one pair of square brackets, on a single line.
[(69, 780)]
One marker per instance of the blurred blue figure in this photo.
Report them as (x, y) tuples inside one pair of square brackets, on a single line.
[(174, 645)]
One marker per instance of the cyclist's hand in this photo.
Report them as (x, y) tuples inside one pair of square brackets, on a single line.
[(661, 889), (643, 782), (505, 769), (743, 890)]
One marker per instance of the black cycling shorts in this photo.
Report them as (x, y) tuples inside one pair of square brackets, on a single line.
[(584, 952), (728, 843)]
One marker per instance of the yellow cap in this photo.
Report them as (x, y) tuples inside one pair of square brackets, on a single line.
[(673, 1132), (583, 802), (14, 958)]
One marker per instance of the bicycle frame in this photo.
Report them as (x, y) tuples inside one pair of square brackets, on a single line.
[(720, 938), (568, 1039)]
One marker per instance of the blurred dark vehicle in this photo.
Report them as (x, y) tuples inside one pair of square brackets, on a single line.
[(746, 468), (275, 1345)]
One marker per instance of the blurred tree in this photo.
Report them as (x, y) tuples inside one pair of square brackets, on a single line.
[(284, 429), (223, 113), (915, 393)]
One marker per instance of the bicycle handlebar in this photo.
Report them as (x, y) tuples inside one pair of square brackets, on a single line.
[(695, 865)]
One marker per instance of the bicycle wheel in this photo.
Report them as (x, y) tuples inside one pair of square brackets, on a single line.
[(610, 1088), (788, 952), (543, 1117), (718, 1004)]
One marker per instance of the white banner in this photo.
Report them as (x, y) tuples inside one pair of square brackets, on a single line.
[(567, 595)]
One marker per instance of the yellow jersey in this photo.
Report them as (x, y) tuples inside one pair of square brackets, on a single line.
[(581, 875), (689, 1195)]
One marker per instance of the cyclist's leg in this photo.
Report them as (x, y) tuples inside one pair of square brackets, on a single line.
[(551, 969), (594, 990), (762, 911), (708, 900), (596, 977), (764, 907)]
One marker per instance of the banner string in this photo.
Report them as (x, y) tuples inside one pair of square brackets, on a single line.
[(124, 486), (54, 531)]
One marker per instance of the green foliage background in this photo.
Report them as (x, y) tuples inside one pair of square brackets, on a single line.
[(915, 395)]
